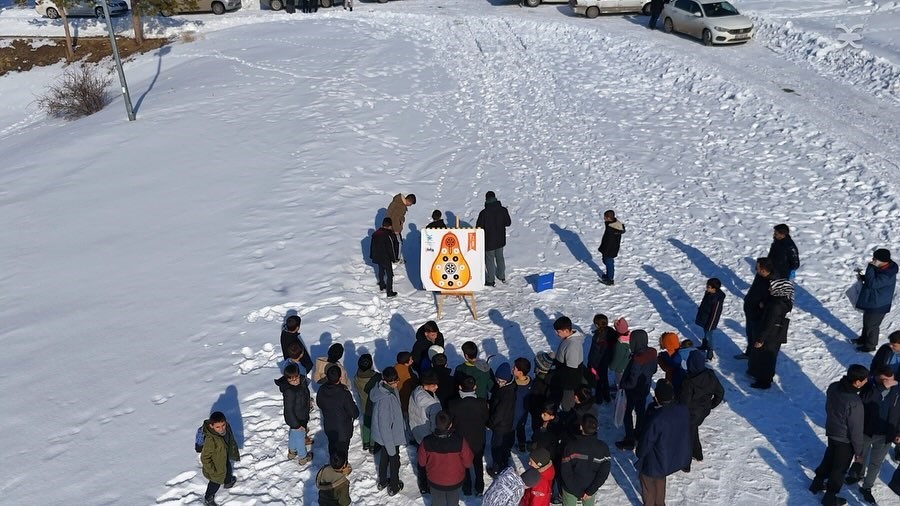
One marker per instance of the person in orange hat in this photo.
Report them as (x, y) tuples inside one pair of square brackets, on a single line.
[(669, 359)]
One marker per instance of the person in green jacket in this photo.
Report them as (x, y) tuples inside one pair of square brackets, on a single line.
[(476, 368), (332, 482), (219, 449), (622, 350), (364, 375)]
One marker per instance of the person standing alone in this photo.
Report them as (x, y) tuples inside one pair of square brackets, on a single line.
[(875, 297), (494, 219), (609, 245), (384, 251)]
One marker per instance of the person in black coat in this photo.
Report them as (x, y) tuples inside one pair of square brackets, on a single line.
[(295, 393), (603, 345), (708, 314), (609, 245), (290, 333), (502, 419), (768, 343), (384, 251), (494, 219), (585, 463), (436, 220), (338, 412), (636, 382), (783, 253), (427, 336), (665, 446), (701, 391), (753, 305), (656, 8), (470, 417), (447, 388), (888, 354)]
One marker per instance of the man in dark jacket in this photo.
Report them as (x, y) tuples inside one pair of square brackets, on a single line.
[(585, 464), (773, 334), (656, 8), (636, 381), (888, 355), (844, 421), (295, 394), (445, 455), (753, 304), (494, 219), (427, 336), (881, 426), (447, 388), (338, 412), (783, 253), (470, 416), (290, 333), (609, 245), (603, 344), (384, 251), (436, 220), (708, 314), (875, 297), (501, 421), (664, 447), (701, 391)]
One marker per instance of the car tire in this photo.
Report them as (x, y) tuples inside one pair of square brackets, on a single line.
[(532, 3), (592, 12), (218, 8), (645, 10), (326, 3), (668, 27), (52, 13), (276, 5), (382, 1), (707, 37)]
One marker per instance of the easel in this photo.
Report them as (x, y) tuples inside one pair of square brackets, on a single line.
[(461, 296)]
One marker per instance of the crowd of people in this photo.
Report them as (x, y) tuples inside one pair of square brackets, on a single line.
[(466, 420)]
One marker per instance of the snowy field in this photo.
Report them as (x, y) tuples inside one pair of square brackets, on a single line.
[(146, 266)]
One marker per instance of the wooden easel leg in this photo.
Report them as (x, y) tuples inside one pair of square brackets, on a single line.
[(474, 314), (440, 305)]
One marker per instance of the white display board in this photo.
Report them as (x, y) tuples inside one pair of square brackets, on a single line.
[(452, 259)]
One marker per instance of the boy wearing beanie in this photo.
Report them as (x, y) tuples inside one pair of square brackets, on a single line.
[(540, 494)]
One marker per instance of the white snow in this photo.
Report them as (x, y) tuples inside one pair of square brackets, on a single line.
[(146, 266)]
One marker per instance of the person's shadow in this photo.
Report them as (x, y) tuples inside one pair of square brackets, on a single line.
[(661, 301), (577, 248), (450, 220), (229, 404), (412, 245), (512, 335), (546, 325)]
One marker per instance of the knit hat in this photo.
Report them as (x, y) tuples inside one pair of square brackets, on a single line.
[(882, 255), (664, 392), (621, 326), (543, 361), (540, 456), (531, 477), (434, 350), (504, 372), (670, 342)]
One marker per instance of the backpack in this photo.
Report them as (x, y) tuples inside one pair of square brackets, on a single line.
[(199, 439)]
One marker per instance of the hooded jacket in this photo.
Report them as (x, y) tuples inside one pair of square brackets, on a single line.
[(445, 457), (540, 494), (665, 444), (844, 414), (701, 391), (494, 219), (612, 239), (877, 292), (388, 427), (470, 417), (784, 256), (360, 381), (396, 211), (420, 348), (334, 487), (881, 409), (338, 411), (507, 489), (585, 465), (480, 371), (639, 372), (603, 345), (710, 310), (296, 402), (423, 408), (217, 450)]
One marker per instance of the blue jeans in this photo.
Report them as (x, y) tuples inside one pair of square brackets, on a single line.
[(610, 264), (297, 441), (495, 265)]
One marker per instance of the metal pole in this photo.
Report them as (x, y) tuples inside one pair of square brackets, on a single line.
[(115, 49)]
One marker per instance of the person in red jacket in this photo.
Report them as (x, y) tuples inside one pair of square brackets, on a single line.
[(445, 455), (540, 494)]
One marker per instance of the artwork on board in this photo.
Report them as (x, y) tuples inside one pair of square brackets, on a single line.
[(452, 259)]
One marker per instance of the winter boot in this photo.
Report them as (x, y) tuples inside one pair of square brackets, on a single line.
[(704, 345), (709, 355), (817, 486), (230, 483), (210, 501), (305, 460), (867, 495), (625, 444), (292, 454), (394, 491), (831, 499)]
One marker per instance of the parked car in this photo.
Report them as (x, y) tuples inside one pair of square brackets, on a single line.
[(535, 3), (593, 8), (91, 8), (277, 5), (713, 22), (214, 6)]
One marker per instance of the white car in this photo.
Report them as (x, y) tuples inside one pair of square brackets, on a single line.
[(713, 22), (78, 8), (593, 8)]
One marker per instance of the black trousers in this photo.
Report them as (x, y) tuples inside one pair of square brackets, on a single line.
[(696, 447), (501, 447), (385, 460), (478, 470), (633, 427), (763, 361), (212, 488), (386, 277), (422, 477), (335, 445), (601, 390), (835, 462)]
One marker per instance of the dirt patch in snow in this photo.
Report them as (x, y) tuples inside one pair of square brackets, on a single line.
[(22, 54)]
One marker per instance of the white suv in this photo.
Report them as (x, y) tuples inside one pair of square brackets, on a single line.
[(593, 8)]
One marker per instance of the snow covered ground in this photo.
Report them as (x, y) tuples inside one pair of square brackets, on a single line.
[(147, 266)]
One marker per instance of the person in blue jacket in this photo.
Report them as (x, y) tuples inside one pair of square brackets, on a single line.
[(664, 447), (875, 298), (708, 314)]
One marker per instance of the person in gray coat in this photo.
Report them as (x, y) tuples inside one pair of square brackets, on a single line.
[(423, 408), (569, 360), (844, 419), (388, 430)]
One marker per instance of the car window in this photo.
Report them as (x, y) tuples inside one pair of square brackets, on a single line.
[(683, 5), (719, 9), (694, 8)]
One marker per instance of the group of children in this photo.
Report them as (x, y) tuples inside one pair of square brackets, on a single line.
[(446, 414)]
